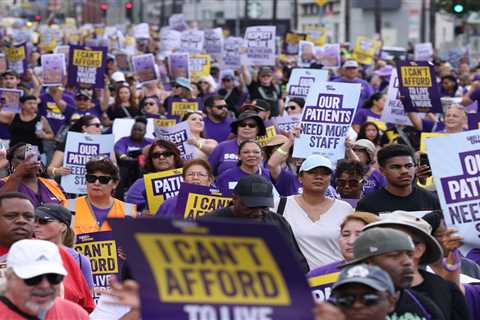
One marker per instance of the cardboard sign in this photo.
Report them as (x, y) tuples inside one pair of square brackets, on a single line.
[(260, 44), (160, 186), (53, 69), (195, 201), (178, 134), (87, 66), (365, 50), (144, 67)]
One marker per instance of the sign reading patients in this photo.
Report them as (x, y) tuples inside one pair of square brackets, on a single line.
[(213, 270)]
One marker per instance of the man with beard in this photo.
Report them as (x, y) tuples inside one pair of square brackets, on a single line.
[(397, 164), (217, 122), (393, 251), (34, 274), (252, 198)]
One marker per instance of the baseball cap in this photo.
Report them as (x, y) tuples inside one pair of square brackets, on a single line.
[(254, 191), (376, 241), (83, 93), (55, 211), (228, 76), (368, 146), (315, 161), (249, 114), (262, 105), (183, 82), (350, 64), (30, 258), (369, 275), (416, 225), (118, 76), (265, 70)]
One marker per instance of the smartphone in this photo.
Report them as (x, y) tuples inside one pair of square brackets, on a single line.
[(424, 160), (31, 153)]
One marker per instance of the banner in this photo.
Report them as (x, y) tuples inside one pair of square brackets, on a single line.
[(214, 270), (260, 45), (328, 55), (161, 186), (423, 51), (306, 54), (144, 67), (394, 111), (86, 66), (10, 100), (195, 201), (200, 65), (178, 65), (213, 42), (191, 41), (53, 69), (169, 41), (178, 134), (326, 118), (292, 41), (102, 251), (17, 58), (455, 163), (365, 50), (79, 149), (232, 53), (417, 84), (302, 80)]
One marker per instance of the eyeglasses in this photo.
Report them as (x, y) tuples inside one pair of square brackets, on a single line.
[(91, 178), (351, 182), (247, 124), (196, 174), (43, 221), (52, 278), (97, 125), (367, 299), (164, 154)]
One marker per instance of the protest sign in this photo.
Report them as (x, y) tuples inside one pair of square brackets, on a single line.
[(195, 201), (10, 100), (321, 286), (214, 270), (122, 61), (306, 54), (326, 118), (328, 55), (302, 80), (3, 63), (102, 252), (66, 53), (178, 134), (122, 127), (180, 108), (144, 67), (177, 22), (165, 122), (17, 58), (213, 42), (191, 41), (53, 69), (271, 132), (423, 51), (318, 36), (79, 149), (455, 56), (365, 50), (161, 186), (292, 41), (393, 111), (457, 174), (287, 123), (260, 44), (418, 86), (86, 66), (178, 65), (141, 31), (231, 55), (199, 66), (169, 40)]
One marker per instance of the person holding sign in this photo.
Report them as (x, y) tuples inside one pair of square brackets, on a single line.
[(455, 120), (196, 171), (93, 210), (350, 74), (372, 109), (263, 87), (196, 124), (182, 92)]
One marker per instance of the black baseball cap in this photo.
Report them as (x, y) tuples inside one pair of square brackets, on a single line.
[(55, 211), (369, 275), (249, 114), (254, 191)]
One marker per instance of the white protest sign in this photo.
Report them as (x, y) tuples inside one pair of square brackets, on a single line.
[(393, 111), (423, 51), (141, 31), (178, 134), (144, 67), (213, 42), (53, 69), (301, 80), (191, 41), (169, 40), (231, 53), (305, 53), (177, 22), (286, 123), (122, 127), (260, 44), (79, 149), (455, 162), (326, 118)]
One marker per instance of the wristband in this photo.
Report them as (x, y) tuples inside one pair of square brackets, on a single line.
[(282, 152), (452, 265), (199, 145), (53, 172)]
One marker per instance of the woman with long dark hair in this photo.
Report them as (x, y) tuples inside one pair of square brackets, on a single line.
[(370, 131), (372, 109), (124, 105)]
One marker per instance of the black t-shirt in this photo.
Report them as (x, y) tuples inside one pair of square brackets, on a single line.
[(381, 200), (445, 294), (270, 94), (233, 99), (122, 112), (415, 306)]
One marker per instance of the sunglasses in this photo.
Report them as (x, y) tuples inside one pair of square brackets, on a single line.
[(91, 178), (52, 278), (226, 80), (291, 108), (82, 99), (221, 106), (149, 103), (43, 221), (98, 125), (351, 182), (164, 154), (367, 299), (247, 124)]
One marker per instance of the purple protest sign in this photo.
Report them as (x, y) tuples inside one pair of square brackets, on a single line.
[(169, 41), (10, 100), (178, 65), (144, 67), (328, 55), (213, 42), (418, 85), (102, 251), (86, 66), (53, 69), (195, 201), (16, 57), (213, 269), (231, 53)]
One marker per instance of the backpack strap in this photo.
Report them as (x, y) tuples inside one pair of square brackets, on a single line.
[(281, 205)]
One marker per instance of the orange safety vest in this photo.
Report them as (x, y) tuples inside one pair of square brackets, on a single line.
[(84, 220), (51, 185)]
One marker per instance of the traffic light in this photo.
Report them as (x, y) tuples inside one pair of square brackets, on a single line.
[(129, 10), (458, 8), (37, 18), (104, 8)]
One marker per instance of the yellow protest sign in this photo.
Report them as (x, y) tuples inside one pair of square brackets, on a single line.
[(416, 76), (15, 53), (165, 122), (199, 205), (160, 186), (263, 140), (318, 36), (179, 108), (211, 269), (199, 65), (101, 254), (87, 58), (365, 50)]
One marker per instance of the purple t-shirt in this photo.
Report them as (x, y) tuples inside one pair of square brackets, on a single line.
[(374, 182), (100, 213), (474, 255), (94, 111), (83, 264), (126, 144), (362, 115), (475, 96), (167, 208), (227, 181), (52, 112), (137, 194), (322, 279), (42, 197), (432, 126), (472, 296), (365, 93), (287, 183), (224, 156), (217, 131)]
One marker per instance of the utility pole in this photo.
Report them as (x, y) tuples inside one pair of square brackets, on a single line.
[(246, 17), (378, 17), (423, 21), (433, 21), (348, 7), (274, 9), (295, 15)]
